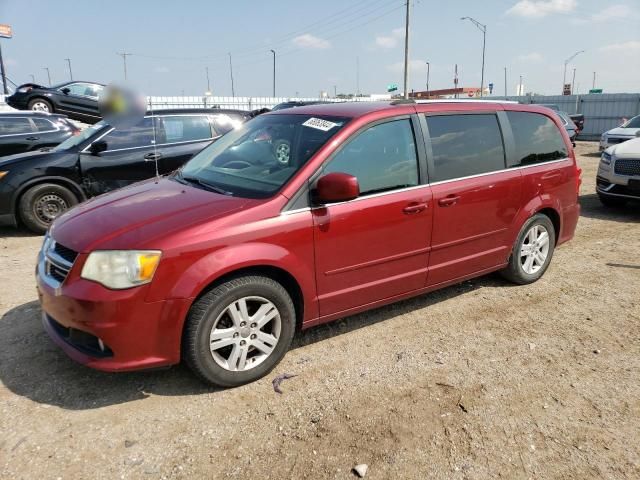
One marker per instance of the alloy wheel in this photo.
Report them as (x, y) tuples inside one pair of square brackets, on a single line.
[(40, 107), (535, 249), (245, 334), (283, 151)]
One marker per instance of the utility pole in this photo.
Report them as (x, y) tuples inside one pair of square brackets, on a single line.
[(335, 91), (455, 81), (48, 74), (566, 62), (406, 51), (233, 91), (124, 56), (573, 80), (594, 80), (520, 88), (4, 76), (33, 78), (483, 29), (69, 64), (274, 73), (505, 81), (428, 68), (208, 82)]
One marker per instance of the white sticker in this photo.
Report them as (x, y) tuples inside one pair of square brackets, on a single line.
[(319, 124)]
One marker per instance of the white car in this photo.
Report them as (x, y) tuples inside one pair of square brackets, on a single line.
[(628, 130), (618, 179)]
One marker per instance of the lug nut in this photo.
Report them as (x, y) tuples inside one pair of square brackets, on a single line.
[(253, 336), (235, 334), (242, 343), (254, 325), (242, 324)]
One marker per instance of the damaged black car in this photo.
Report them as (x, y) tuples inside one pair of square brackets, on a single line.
[(37, 187)]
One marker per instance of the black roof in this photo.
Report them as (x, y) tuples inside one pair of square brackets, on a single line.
[(165, 111), (30, 113)]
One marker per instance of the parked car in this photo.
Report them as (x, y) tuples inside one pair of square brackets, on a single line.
[(37, 187), (626, 131), (29, 131), (569, 126), (576, 118), (618, 179), (219, 263), (77, 100)]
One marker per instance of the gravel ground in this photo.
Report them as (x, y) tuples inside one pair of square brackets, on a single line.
[(480, 380)]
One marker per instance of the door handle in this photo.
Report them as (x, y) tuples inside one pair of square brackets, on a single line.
[(449, 200), (414, 208), (151, 157), (31, 139)]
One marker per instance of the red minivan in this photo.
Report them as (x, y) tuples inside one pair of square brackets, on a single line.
[(300, 217)]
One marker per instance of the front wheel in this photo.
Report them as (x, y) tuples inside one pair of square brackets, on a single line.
[(40, 105), (41, 205), (239, 331), (532, 251)]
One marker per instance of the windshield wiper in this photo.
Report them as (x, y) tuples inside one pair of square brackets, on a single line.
[(204, 184)]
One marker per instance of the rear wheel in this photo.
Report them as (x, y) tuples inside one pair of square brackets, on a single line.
[(239, 331), (41, 205), (612, 202), (40, 105), (532, 251)]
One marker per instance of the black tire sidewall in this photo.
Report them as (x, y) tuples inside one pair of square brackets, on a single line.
[(517, 273), (32, 102), (28, 199), (203, 316)]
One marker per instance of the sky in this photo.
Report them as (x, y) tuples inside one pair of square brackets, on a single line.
[(353, 44)]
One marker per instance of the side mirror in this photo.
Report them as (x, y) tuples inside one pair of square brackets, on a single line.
[(65, 90), (336, 187), (97, 147)]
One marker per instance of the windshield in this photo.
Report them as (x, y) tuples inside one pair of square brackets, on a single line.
[(258, 158), (633, 123), (76, 140)]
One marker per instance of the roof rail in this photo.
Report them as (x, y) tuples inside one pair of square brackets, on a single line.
[(403, 101), (464, 100)]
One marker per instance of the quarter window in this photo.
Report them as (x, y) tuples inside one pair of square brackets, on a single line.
[(184, 129), (537, 138), (140, 135), (382, 158), (465, 145), (12, 126), (44, 125)]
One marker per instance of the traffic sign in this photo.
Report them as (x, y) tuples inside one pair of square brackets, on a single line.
[(595, 90), (491, 88), (567, 89), (392, 87), (5, 31)]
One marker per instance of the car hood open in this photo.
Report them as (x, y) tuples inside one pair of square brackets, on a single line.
[(135, 217)]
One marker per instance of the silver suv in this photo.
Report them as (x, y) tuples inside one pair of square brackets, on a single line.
[(618, 177)]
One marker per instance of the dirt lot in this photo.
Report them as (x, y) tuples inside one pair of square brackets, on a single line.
[(480, 380)]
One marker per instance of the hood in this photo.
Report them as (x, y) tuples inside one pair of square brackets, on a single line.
[(9, 160), (623, 132), (630, 148), (133, 217)]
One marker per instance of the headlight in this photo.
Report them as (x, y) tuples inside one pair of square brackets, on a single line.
[(606, 158), (2, 174), (25, 89), (119, 269), (603, 137)]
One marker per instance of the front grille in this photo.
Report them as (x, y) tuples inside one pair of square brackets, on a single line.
[(66, 253), (627, 166)]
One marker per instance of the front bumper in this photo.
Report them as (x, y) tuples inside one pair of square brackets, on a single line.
[(110, 330), (606, 188), (17, 101)]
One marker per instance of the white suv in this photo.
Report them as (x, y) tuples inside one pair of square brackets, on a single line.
[(618, 177), (627, 131)]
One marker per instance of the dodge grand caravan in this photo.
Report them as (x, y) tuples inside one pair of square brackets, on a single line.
[(219, 263)]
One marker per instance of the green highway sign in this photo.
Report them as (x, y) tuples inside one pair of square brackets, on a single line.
[(392, 87), (595, 90)]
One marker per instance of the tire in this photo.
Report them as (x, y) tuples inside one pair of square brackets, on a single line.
[(521, 272), (42, 204), (212, 313), (612, 202), (40, 105)]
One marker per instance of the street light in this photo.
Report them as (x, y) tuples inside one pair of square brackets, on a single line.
[(483, 29), (428, 68), (566, 62), (274, 72)]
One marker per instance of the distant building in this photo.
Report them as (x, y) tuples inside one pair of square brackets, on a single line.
[(461, 92)]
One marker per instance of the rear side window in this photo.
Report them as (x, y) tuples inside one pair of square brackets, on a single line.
[(12, 126), (537, 138), (465, 145), (382, 158), (140, 135), (44, 125), (185, 129)]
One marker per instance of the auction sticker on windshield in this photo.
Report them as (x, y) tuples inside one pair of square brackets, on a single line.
[(320, 124)]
